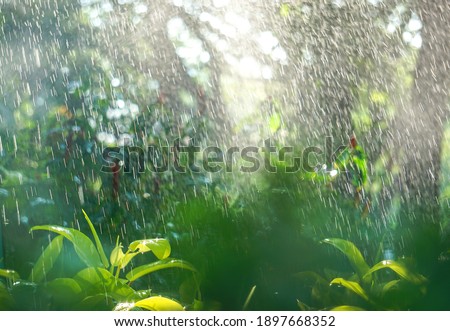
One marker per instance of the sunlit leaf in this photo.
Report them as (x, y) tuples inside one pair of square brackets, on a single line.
[(400, 270), (159, 247), (249, 298), (84, 247), (47, 259), (159, 304), (10, 274), (116, 256), (127, 258), (159, 265), (101, 252), (347, 308), (352, 286), (353, 254)]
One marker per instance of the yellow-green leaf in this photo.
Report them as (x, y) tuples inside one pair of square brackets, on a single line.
[(249, 298), (347, 308), (399, 269), (159, 265), (159, 304), (10, 274), (47, 259), (160, 247), (352, 286), (116, 256)]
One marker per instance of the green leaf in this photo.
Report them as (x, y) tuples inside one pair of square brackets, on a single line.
[(101, 252), (352, 286), (47, 259), (96, 302), (159, 247), (353, 254), (64, 292), (159, 265), (275, 122), (84, 247), (10, 274), (98, 280), (159, 304), (347, 308), (6, 300), (389, 286), (116, 256), (400, 270), (127, 258)]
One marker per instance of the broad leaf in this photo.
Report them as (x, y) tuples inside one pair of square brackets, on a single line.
[(64, 292), (96, 302), (84, 247), (6, 300), (101, 252), (47, 259), (353, 254), (98, 280), (159, 265), (352, 286), (400, 270), (159, 247), (10, 274), (159, 304)]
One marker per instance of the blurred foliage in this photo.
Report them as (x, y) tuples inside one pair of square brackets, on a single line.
[(388, 285)]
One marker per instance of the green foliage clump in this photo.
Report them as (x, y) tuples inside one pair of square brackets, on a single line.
[(98, 286), (388, 285)]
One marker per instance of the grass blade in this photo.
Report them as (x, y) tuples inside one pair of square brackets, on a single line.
[(100, 250)]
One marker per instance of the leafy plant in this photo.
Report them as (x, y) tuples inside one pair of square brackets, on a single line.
[(99, 286), (388, 285)]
